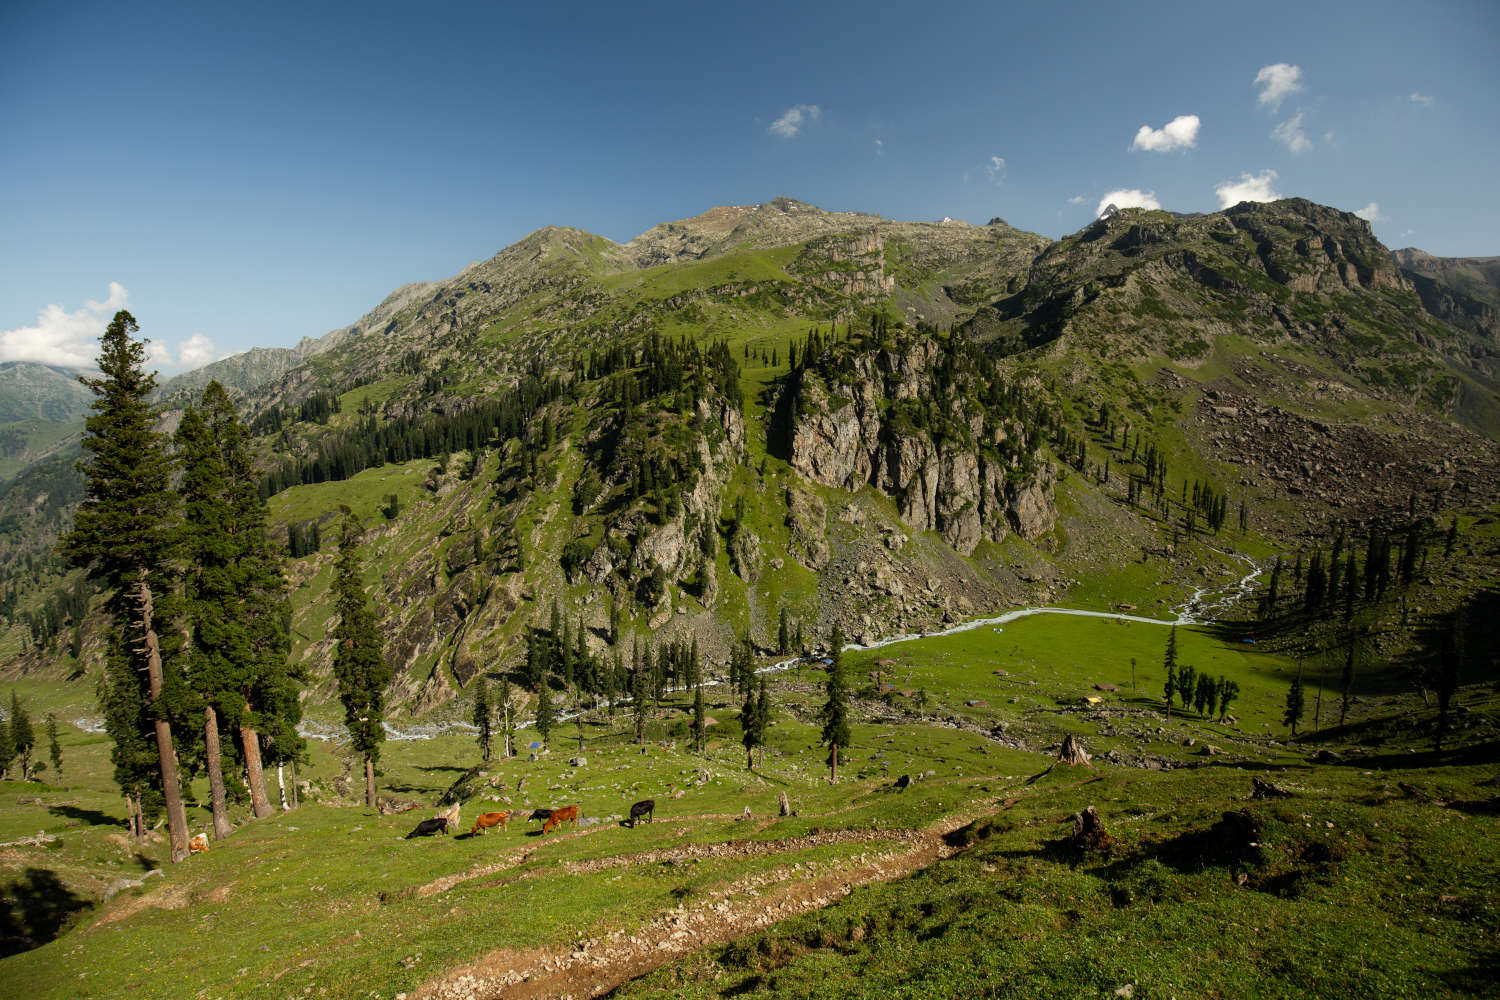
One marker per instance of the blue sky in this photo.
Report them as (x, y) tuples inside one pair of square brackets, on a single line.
[(250, 174)]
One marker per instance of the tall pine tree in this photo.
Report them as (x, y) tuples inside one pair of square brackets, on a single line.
[(124, 533), (359, 663), (835, 712)]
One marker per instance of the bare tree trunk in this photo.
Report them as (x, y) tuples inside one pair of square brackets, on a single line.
[(281, 787), (215, 772), (835, 757), (369, 782), (166, 753), (130, 818), (250, 741)]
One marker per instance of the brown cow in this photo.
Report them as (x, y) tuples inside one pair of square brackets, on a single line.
[(567, 814), (487, 820), (199, 844)]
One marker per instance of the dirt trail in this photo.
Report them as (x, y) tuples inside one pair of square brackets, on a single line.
[(594, 966)]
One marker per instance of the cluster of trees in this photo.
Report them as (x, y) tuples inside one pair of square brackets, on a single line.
[(370, 443), (1208, 696), (315, 409), (18, 742), (303, 538), (197, 637), (64, 607)]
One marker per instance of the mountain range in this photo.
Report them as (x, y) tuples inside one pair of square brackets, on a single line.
[(773, 412)]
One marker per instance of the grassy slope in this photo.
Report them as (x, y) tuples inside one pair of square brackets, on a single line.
[(325, 898)]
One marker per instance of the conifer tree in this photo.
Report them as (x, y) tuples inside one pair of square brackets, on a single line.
[(1169, 662), (125, 534), (1187, 676), (234, 602), (7, 748), (638, 699), (749, 732), (544, 714), (1445, 678), (359, 662), (1228, 691), (1294, 703), (483, 717), (835, 712), (783, 633), (22, 735)]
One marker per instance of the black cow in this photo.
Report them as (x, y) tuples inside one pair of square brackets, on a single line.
[(428, 827), (540, 815), (642, 809)]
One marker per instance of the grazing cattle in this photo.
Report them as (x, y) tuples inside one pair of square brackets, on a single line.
[(428, 827), (539, 815), (567, 814), (487, 820), (199, 843), (642, 809)]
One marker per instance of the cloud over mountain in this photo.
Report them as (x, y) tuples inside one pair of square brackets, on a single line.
[(1249, 187), (60, 337)]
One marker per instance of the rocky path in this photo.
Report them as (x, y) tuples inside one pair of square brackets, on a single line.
[(593, 966)]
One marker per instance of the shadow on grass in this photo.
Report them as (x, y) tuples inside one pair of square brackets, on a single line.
[(93, 817), (34, 909), (443, 767)]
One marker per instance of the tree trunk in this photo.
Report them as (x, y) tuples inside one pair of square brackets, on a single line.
[(369, 782), (250, 742), (835, 758), (281, 786), (130, 818), (222, 828), (166, 753)]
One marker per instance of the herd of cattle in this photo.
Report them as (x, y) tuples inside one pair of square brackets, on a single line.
[(549, 818)]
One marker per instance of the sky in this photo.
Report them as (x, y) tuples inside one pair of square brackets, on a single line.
[(246, 175)]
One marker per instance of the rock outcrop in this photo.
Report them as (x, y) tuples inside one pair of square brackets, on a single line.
[(980, 484)]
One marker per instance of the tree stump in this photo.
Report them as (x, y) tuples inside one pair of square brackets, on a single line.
[(1089, 834), (786, 805), (1072, 751)]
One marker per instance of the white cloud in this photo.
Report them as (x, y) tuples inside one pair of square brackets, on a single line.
[(1179, 133), (1250, 187), (794, 119), (1127, 198), (1290, 132), (195, 352), (996, 169), (1422, 99), (1278, 81), (879, 147), (1371, 212), (1077, 199), (61, 337)]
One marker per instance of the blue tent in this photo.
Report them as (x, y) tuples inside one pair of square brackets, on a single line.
[(535, 745)]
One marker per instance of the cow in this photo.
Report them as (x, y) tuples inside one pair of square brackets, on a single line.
[(199, 844), (539, 815), (428, 827), (567, 814), (642, 809), (487, 820)]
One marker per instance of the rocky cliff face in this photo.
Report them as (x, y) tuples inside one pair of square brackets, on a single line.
[(980, 484)]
